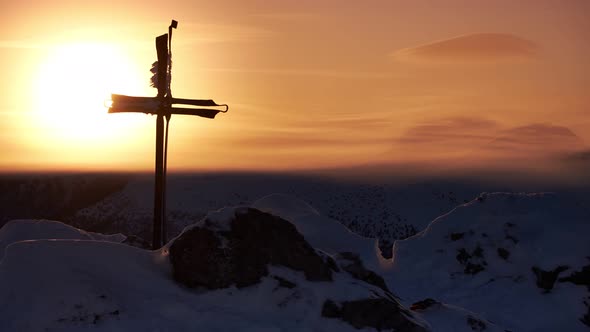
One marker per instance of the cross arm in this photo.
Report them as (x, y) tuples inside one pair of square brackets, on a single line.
[(125, 104), (199, 102), (208, 113), (152, 105)]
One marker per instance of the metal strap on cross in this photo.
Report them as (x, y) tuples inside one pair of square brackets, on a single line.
[(163, 106)]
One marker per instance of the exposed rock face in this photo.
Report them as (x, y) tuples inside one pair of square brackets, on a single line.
[(378, 313), (474, 262), (240, 255), (424, 304), (351, 263), (546, 279), (581, 278), (476, 324)]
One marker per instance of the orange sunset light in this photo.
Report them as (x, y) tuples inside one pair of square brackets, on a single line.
[(311, 85)]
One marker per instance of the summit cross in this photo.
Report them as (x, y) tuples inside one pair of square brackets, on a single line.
[(162, 105)]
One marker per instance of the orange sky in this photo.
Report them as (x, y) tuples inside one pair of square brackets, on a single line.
[(310, 84)]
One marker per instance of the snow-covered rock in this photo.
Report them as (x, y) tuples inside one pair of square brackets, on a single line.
[(501, 256), (322, 232), (248, 247), (500, 262), (77, 284)]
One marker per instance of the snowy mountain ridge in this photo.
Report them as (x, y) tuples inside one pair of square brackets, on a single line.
[(510, 260), (386, 212), (509, 256)]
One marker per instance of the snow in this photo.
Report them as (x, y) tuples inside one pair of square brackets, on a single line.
[(73, 285), (446, 317), (57, 277), (20, 230), (542, 230)]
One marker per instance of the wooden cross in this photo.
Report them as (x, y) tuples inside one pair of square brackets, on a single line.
[(162, 106)]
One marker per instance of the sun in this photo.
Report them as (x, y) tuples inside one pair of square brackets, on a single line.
[(74, 83)]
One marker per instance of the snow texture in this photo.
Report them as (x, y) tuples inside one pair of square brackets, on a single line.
[(74, 285), (481, 256), (21, 230), (477, 262)]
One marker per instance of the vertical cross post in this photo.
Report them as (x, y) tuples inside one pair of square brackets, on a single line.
[(163, 108), (173, 25)]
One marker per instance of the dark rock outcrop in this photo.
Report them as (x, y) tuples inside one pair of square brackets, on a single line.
[(213, 257), (379, 313), (586, 318), (503, 253), (473, 263), (351, 263), (546, 279), (285, 283), (581, 278), (456, 236), (331, 310), (424, 304), (476, 324)]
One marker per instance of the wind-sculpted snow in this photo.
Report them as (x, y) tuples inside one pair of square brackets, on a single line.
[(503, 255), (23, 230), (286, 206)]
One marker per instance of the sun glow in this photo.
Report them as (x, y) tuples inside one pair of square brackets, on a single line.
[(72, 90)]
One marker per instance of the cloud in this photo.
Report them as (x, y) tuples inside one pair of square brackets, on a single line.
[(292, 141), (472, 48), (302, 73), (582, 156), (537, 139), (451, 132), (482, 140)]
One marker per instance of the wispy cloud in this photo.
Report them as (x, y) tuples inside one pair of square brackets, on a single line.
[(477, 47), (307, 140), (537, 138), (451, 132), (482, 139), (298, 72)]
